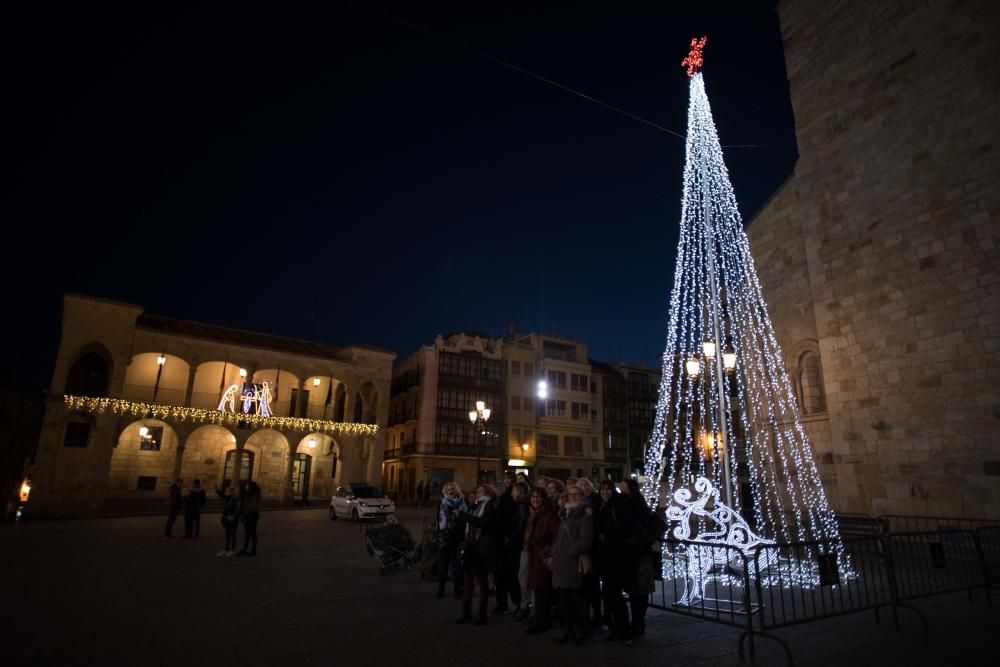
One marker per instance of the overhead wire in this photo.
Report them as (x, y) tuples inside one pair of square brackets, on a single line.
[(543, 79)]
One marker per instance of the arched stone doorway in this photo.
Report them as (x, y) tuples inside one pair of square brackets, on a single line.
[(314, 468)]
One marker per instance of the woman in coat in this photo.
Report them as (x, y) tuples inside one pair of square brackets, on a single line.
[(232, 503), (449, 537), (576, 535), (540, 536), (479, 556)]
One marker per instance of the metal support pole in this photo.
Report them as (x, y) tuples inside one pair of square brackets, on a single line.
[(713, 303), (479, 442)]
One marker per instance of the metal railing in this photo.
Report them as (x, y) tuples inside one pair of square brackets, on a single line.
[(206, 400), (150, 394), (902, 523), (989, 545), (779, 585)]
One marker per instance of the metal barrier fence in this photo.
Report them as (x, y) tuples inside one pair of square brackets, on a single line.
[(723, 598), (989, 545), (902, 523), (779, 585)]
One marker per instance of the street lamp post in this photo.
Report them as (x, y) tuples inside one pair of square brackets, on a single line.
[(478, 418)]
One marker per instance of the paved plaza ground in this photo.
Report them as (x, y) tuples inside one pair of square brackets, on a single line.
[(114, 591)]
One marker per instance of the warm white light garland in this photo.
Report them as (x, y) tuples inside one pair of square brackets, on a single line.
[(181, 413), (737, 426)]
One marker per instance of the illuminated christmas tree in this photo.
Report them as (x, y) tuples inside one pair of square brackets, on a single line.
[(727, 424)]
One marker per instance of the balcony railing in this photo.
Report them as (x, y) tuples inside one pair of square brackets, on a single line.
[(149, 394), (442, 449)]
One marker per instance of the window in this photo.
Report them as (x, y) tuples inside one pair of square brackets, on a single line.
[(548, 444), (554, 408), (246, 467), (579, 382), (528, 404), (574, 445), (527, 437), (593, 387), (515, 368), (515, 436), (529, 370), (812, 398), (151, 441), (557, 380), (595, 446), (593, 415), (77, 434), (515, 402), (146, 484), (88, 376), (580, 411)]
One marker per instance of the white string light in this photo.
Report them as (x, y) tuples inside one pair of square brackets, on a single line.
[(747, 417)]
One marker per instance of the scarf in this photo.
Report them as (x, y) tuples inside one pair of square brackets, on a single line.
[(448, 504)]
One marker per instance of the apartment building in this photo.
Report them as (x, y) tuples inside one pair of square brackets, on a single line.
[(430, 439)]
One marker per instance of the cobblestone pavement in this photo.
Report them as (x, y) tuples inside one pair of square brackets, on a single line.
[(114, 591)]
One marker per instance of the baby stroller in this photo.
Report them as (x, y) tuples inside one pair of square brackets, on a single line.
[(393, 546), (428, 551)]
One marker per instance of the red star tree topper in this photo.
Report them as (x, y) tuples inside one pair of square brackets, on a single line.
[(694, 60)]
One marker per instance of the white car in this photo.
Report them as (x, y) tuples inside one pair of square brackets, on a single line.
[(360, 501)]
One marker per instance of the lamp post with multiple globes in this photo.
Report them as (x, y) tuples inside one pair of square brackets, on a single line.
[(478, 418)]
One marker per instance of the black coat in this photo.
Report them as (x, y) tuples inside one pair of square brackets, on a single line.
[(505, 510), (175, 498), (614, 522), (482, 541), (194, 501), (514, 539)]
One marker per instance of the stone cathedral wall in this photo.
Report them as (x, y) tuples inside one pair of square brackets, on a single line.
[(880, 251)]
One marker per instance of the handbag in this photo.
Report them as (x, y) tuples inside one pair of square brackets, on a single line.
[(586, 565)]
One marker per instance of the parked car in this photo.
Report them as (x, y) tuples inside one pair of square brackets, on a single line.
[(360, 501)]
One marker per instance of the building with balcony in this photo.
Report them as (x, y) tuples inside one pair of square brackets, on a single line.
[(629, 395), (138, 400), (555, 408), (429, 438)]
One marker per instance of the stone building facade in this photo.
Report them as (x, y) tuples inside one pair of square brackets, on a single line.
[(115, 458), (879, 254)]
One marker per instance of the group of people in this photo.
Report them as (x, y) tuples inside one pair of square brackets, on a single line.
[(425, 491), (557, 554), (239, 505)]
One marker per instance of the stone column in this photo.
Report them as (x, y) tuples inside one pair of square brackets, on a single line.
[(238, 461), (288, 493), (301, 397), (192, 369), (181, 433)]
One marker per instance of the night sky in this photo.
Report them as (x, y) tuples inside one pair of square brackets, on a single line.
[(342, 176)]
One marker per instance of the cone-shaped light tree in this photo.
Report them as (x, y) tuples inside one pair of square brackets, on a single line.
[(727, 419)]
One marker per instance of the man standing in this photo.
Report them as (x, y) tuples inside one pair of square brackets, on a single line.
[(194, 501), (174, 507), (505, 575)]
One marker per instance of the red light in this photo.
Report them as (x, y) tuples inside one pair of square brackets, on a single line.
[(694, 59)]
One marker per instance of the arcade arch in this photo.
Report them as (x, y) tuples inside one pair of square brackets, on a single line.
[(143, 460)]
